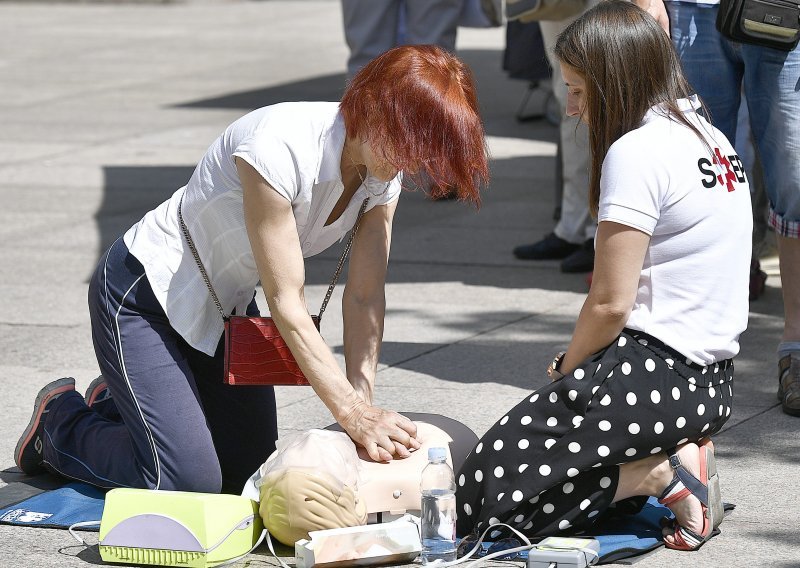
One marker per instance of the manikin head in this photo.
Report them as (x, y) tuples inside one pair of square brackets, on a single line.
[(321, 481)]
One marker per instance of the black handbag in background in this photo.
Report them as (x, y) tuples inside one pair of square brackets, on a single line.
[(768, 23)]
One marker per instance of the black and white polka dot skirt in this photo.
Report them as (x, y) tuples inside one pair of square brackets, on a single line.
[(551, 464)]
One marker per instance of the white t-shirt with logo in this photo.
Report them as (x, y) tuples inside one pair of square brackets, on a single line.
[(297, 148), (662, 180)]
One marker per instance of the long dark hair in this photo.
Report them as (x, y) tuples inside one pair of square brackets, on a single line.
[(629, 65)]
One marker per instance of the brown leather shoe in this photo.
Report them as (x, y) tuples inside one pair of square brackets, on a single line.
[(758, 280), (789, 383)]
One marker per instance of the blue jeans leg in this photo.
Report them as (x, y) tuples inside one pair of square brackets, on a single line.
[(709, 62), (718, 69), (772, 87)]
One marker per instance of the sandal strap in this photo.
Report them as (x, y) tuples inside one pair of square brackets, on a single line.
[(694, 485), (670, 493), (675, 495), (687, 539)]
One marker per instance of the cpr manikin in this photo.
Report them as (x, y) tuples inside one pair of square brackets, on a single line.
[(320, 480)]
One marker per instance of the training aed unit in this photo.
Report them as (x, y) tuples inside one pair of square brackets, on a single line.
[(175, 528)]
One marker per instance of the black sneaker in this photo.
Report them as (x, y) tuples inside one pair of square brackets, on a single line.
[(552, 247), (582, 260), (28, 453), (97, 392)]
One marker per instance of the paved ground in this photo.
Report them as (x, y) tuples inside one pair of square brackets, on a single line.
[(105, 109)]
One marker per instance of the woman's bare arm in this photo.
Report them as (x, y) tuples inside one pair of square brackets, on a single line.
[(619, 255), (276, 248), (364, 300)]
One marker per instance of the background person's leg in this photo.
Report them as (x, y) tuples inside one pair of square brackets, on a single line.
[(789, 348), (575, 228), (710, 63), (575, 224), (771, 83), (370, 28), (715, 68), (432, 22)]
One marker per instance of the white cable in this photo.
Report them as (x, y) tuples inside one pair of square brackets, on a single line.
[(247, 521), (272, 550), (593, 555), (527, 546), (502, 553), (236, 559), (81, 524)]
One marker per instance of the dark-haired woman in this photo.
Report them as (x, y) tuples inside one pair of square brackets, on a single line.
[(280, 184), (648, 374)]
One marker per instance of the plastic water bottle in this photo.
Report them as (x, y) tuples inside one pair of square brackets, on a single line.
[(438, 488)]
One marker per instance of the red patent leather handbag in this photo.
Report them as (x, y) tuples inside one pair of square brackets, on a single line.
[(255, 352)]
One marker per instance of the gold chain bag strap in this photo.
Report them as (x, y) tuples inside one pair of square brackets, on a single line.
[(255, 352)]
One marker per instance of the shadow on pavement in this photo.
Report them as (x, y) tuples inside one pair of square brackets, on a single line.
[(324, 88), (456, 236), (486, 66), (132, 191), (89, 554)]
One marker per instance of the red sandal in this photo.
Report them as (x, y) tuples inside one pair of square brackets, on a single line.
[(705, 488)]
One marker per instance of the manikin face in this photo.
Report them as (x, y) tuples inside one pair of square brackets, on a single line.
[(576, 92)]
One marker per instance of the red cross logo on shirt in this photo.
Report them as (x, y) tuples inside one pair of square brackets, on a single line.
[(729, 177)]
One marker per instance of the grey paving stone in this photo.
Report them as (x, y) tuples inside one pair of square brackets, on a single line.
[(105, 108)]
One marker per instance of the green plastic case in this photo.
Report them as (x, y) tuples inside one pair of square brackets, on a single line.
[(175, 528)]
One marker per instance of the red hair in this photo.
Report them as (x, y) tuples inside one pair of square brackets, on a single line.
[(417, 106)]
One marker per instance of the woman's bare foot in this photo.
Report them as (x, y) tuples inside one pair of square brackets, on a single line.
[(688, 511), (652, 475)]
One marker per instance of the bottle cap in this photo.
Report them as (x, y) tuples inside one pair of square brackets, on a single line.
[(436, 454)]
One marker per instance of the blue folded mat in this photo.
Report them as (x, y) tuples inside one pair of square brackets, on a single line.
[(621, 536), (631, 535), (59, 508)]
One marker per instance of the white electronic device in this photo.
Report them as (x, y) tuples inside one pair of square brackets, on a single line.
[(564, 552), (394, 542)]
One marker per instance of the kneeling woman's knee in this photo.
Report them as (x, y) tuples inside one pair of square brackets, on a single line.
[(197, 473)]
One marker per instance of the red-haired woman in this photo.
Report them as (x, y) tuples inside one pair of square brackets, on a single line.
[(280, 184)]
